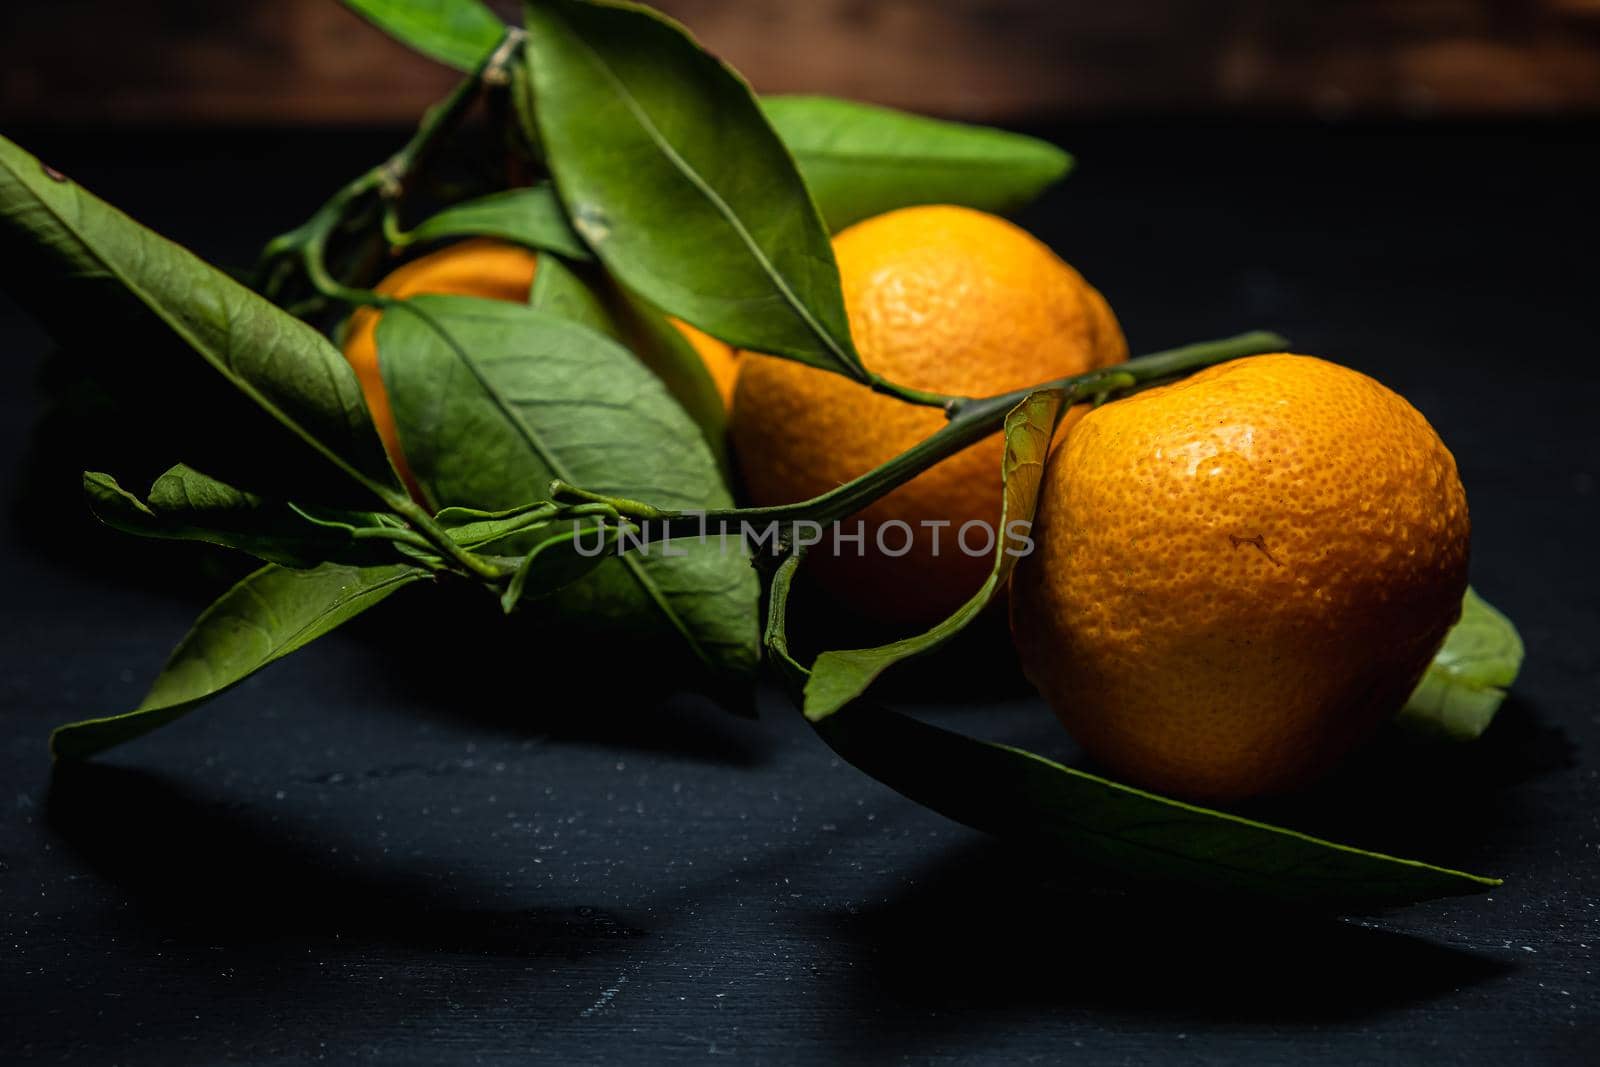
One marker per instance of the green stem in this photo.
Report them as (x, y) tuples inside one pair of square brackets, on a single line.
[(441, 541), (542, 517), (633, 509), (401, 536), (388, 181), (879, 384), (971, 420), (307, 245)]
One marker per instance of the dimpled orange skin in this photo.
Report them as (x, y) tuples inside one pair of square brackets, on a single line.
[(939, 298), (492, 270), (1239, 576)]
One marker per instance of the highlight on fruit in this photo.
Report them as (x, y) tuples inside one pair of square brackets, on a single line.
[(629, 384)]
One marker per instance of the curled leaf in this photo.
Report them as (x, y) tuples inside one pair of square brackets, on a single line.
[(186, 505), (1468, 678), (839, 677)]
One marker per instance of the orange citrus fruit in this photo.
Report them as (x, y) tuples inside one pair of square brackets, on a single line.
[(492, 270), (943, 299), (1238, 576)]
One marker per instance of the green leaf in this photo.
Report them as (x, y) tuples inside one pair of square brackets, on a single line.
[(557, 558), (268, 615), (595, 300), (837, 678), (496, 400), (457, 33), (557, 290), (475, 528), (530, 216), (1128, 833), (185, 505), (223, 380), (860, 160), (672, 175), (1468, 678), (667, 352), (775, 633), (1121, 833), (556, 563)]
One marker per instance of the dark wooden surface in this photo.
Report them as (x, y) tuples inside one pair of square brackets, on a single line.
[(358, 855), (312, 61)]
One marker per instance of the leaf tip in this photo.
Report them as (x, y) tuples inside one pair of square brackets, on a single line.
[(819, 702), (815, 714), (1062, 165), (62, 747)]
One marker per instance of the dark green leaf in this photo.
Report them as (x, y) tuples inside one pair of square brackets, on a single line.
[(672, 175), (1125, 834), (457, 33), (529, 216), (526, 124), (229, 383), (474, 528), (596, 301), (557, 562), (558, 291), (667, 352), (495, 400), (861, 160), (186, 505), (1131, 834), (857, 159), (563, 550), (837, 678), (265, 617), (775, 633), (1468, 678)]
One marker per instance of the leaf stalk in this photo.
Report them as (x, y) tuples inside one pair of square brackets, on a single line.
[(970, 421)]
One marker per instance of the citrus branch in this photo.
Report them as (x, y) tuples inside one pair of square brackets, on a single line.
[(382, 189), (385, 185), (879, 384), (971, 420)]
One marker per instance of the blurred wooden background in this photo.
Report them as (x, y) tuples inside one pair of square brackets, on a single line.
[(311, 61)]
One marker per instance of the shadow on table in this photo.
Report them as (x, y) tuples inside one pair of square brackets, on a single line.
[(228, 876), (988, 931), (213, 932), (450, 654), (1446, 802)]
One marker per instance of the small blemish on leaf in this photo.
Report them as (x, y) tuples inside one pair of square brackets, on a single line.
[(51, 173), (592, 223), (1259, 542)]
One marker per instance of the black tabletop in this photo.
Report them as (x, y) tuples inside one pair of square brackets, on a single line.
[(416, 842)]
